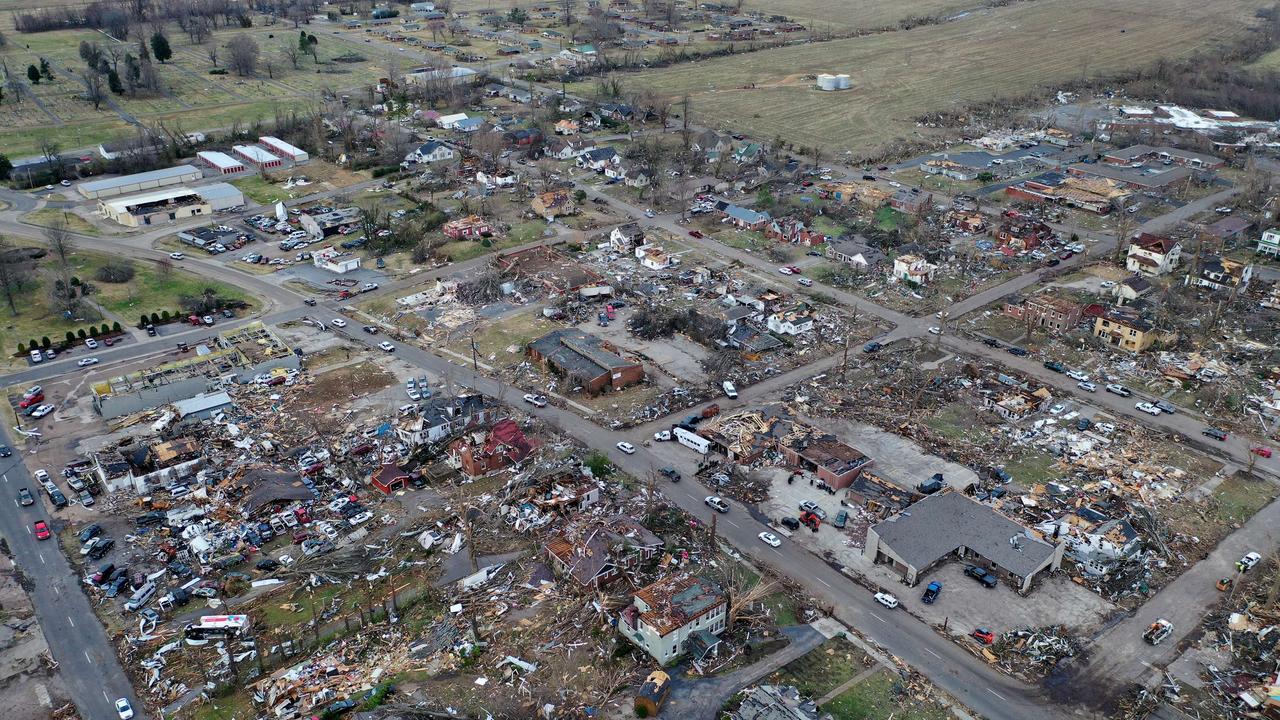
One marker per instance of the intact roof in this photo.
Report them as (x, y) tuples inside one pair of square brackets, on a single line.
[(1137, 284), (255, 153), (218, 159), (214, 191), (746, 215), (281, 145), (604, 153), (576, 351), (430, 146), (201, 403), (177, 171), (469, 123), (943, 522)]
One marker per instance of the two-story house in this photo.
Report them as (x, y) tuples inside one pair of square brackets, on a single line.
[(430, 152), (793, 320), (677, 614), (599, 159), (913, 269), (1153, 254), (1125, 330), (443, 417), (1269, 243), (1219, 273)]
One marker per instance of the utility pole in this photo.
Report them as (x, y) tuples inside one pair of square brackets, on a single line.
[(844, 364)]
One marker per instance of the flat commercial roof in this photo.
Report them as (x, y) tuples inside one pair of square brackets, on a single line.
[(255, 153), (218, 191), (941, 523), (202, 403), (276, 143), (123, 203), (177, 171), (219, 160)]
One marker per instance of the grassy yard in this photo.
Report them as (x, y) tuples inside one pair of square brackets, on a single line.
[(883, 695), (1239, 498), (996, 53), (1032, 468), (741, 239), (955, 421), (260, 190), (889, 219), (496, 336), (48, 216), (824, 668), (150, 290)]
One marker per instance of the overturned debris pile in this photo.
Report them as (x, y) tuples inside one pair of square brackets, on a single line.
[(1031, 653)]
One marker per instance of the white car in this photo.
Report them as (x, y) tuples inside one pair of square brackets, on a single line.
[(414, 394), (648, 213), (784, 270), (1077, 375), (1148, 408), (535, 400), (716, 503), (338, 503), (1105, 284), (338, 322), (360, 519), (176, 256), (626, 447), (895, 183), (368, 287), (887, 600), (42, 411), (662, 436), (935, 330), (1246, 563), (124, 709), (770, 539), (86, 362), (327, 530), (91, 344), (1087, 386), (386, 346), (41, 475), (1057, 409)]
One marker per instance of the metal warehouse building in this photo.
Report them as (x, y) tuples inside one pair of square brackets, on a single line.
[(125, 184), (222, 162), (256, 155), (281, 147)]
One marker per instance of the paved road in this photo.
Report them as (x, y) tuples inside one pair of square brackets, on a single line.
[(948, 665), (86, 658)]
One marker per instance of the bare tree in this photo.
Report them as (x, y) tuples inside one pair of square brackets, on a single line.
[(15, 275), (62, 248), (243, 55), (291, 52), (93, 86), (213, 54)]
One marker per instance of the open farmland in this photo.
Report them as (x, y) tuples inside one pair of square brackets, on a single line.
[(191, 98), (897, 76)]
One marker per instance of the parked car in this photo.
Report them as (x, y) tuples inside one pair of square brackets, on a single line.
[(91, 343), (770, 539), (1015, 350), (338, 322), (982, 575), (1166, 407), (626, 447), (1087, 386), (871, 347), (101, 549), (1261, 451), (41, 411), (1077, 375), (25, 498), (662, 436), (124, 709), (1214, 433), (536, 400), (886, 600), (812, 507), (1147, 408), (5, 451), (716, 503), (931, 592), (41, 530), (1246, 563), (790, 523), (1122, 391), (386, 346)]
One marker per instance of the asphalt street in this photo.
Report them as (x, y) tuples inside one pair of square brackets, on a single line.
[(79, 644)]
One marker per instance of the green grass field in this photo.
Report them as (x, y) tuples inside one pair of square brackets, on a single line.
[(1006, 52), (190, 99)]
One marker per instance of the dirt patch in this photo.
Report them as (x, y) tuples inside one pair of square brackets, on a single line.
[(344, 385)]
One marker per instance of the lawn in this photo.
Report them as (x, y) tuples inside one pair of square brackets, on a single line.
[(261, 190), (512, 331), (741, 239), (883, 695), (955, 421), (888, 219), (1239, 498), (1032, 468), (1002, 53), (824, 668), (150, 290), (48, 216), (463, 250)]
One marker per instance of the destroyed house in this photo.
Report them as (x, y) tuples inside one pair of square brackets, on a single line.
[(1219, 273), (677, 614), (597, 554), (794, 231), (555, 272), (442, 417), (266, 492), (479, 452), (330, 223), (1095, 542), (1021, 235), (948, 524), (1125, 329), (585, 359), (824, 455), (770, 702), (1045, 311), (1015, 403), (878, 496), (146, 467)]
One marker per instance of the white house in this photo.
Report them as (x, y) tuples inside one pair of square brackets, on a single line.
[(599, 159), (569, 149), (637, 179), (498, 179), (792, 321), (615, 172), (654, 257), (678, 614), (1153, 254), (450, 122), (430, 152), (335, 261), (913, 269), (1269, 243), (625, 237)]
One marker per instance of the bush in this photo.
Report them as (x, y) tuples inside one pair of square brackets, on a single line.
[(384, 170), (71, 338), (115, 272), (21, 348), (75, 281), (486, 243), (142, 321), (599, 464), (81, 333), (93, 331), (155, 319), (104, 329), (115, 327), (45, 342), (164, 315), (33, 344)]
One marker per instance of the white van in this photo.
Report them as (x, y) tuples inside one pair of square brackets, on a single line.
[(140, 597), (730, 390)]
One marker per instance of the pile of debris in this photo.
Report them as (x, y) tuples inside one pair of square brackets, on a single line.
[(1032, 653)]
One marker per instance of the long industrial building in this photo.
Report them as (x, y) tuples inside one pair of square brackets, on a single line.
[(140, 182), (170, 205)]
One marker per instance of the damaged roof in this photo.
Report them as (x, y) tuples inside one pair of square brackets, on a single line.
[(677, 600)]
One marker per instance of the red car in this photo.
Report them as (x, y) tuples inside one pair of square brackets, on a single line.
[(42, 530), (794, 270), (695, 233), (1261, 451), (807, 183), (983, 635), (33, 400)]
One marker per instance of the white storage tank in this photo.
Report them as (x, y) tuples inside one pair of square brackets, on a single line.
[(842, 82), (826, 82)]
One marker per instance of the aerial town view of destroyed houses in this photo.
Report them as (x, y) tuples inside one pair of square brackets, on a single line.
[(613, 359)]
